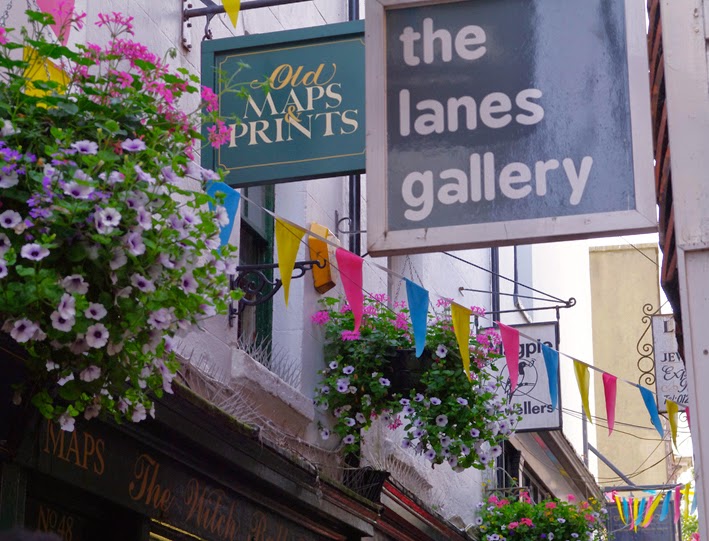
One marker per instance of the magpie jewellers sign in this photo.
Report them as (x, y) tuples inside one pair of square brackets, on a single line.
[(307, 122), (532, 394), (495, 122)]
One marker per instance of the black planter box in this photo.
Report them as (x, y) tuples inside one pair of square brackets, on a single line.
[(404, 370), (367, 482)]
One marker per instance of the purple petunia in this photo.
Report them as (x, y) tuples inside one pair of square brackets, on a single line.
[(142, 283), (85, 147), (78, 191), (75, 284), (348, 440), (23, 330), (442, 420), (97, 335), (385, 382), (10, 219), (133, 145), (34, 252), (134, 243)]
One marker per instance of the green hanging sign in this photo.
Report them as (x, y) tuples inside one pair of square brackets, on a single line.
[(307, 122)]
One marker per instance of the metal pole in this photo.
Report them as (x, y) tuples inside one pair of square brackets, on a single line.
[(354, 181), (610, 465), (254, 4)]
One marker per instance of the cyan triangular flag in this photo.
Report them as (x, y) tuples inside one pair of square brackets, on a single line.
[(418, 310), (231, 205), (641, 512), (626, 510), (666, 505), (551, 360), (649, 399), (694, 503)]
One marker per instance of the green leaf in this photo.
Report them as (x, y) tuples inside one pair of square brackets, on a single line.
[(25, 271), (67, 106)]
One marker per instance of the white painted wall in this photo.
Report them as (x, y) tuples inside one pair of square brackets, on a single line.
[(558, 269)]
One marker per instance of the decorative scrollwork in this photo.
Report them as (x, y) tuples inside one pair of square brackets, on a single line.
[(258, 287), (646, 362)]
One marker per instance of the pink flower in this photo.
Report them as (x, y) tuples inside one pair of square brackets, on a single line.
[(210, 98), (590, 518), (345, 308), (350, 335), (3, 36), (400, 322), (321, 317), (526, 522), (219, 134), (512, 525), (551, 505), (571, 497), (478, 311)]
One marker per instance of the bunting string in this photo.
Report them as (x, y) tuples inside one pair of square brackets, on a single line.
[(352, 283)]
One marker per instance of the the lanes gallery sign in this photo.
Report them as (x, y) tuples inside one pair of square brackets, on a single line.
[(505, 121)]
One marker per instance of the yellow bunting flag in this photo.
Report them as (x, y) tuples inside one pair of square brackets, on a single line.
[(42, 70), (620, 509), (232, 8), (651, 510), (461, 326), (685, 492), (583, 378), (288, 239), (636, 503), (672, 413)]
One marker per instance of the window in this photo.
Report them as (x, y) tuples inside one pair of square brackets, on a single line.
[(256, 248)]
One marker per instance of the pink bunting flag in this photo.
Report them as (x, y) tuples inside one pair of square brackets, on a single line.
[(678, 501), (609, 387), (350, 267), (510, 341), (61, 10), (689, 424)]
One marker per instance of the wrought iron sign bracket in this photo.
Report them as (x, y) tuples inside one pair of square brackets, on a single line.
[(258, 287), (210, 9)]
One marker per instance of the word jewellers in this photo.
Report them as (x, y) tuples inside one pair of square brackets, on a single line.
[(494, 111)]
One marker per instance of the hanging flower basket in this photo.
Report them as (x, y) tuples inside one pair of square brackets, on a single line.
[(373, 374), (108, 244), (519, 518)]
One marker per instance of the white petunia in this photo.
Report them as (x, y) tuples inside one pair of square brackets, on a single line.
[(65, 379), (66, 422), (8, 180)]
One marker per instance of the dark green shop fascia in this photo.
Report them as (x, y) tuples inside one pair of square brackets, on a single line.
[(193, 473)]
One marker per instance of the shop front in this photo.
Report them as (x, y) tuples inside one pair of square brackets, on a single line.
[(194, 473)]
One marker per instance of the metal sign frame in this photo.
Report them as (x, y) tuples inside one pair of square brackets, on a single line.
[(385, 241)]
